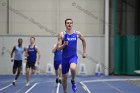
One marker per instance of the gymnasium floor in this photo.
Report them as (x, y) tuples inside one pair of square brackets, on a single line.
[(85, 84)]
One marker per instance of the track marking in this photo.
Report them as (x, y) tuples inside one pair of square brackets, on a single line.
[(57, 89), (85, 87), (105, 81), (5, 81), (5, 87), (18, 91), (113, 87), (31, 88), (108, 80)]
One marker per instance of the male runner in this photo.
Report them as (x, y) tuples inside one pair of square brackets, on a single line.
[(32, 56), (57, 63), (18, 50), (67, 41)]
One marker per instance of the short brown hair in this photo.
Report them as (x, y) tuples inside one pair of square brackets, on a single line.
[(32, 37), (68, 19)]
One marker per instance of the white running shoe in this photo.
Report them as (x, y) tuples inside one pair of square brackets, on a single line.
[(27, 84)]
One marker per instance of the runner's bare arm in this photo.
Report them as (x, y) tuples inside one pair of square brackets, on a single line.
[(60, 38), (38, 52), (82, 38), (14, 48), (54, 48)]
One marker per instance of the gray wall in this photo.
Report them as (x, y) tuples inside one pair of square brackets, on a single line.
[(3, 17), (41, 18)]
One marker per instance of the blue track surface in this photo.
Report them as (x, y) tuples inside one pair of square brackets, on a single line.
[(46, 84)]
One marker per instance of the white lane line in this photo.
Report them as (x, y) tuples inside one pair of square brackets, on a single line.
[(57, 89), (108, 80), (5, 81), (18, 91), (31, 88), (5, 87), (113, 87), (85, 87)]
